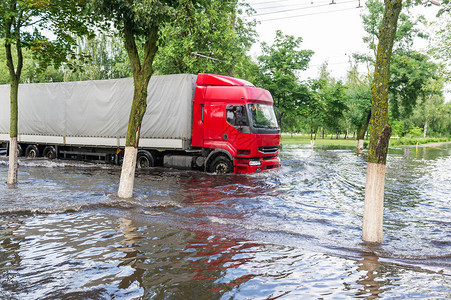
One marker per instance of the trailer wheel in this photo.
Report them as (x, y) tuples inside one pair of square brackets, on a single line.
[(221, 165), (144, 159), (19, 150), (49, 152), (32, 151)]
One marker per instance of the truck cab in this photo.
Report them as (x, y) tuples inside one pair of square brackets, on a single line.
[(235, 125)]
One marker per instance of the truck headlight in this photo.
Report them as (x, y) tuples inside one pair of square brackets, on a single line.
[(255, 163)]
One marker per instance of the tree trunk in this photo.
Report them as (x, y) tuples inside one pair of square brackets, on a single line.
[(361, 134), (13, 130), (380, 131), (141, 77), (14, 75), (425, 128), (311, 130), (12, 171), (137, 112)]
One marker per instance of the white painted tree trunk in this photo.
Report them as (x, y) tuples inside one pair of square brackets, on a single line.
[(128, 173), (312, 143), (359, 146), (425, 128), (12, 171), (374, 203)]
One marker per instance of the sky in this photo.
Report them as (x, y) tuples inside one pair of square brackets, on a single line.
[(332, 31), (331, 28)]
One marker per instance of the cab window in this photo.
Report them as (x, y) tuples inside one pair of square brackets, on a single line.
[(236, 115)]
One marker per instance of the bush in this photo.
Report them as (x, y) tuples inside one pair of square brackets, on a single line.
[(397, 128), (414, 141), (415, 131)]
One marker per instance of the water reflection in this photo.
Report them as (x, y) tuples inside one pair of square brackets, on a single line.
[(371, 287), (179, 265)]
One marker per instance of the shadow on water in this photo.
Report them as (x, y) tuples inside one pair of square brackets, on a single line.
[(290, 233)]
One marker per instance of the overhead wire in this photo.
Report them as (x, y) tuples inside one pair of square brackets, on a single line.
[(302, 8), (309, 14), (270, 2), (333, 2), (292, 5)]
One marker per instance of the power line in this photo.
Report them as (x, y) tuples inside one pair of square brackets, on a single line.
[(269, 2), (302, 8), (309, 14), (292, 5)]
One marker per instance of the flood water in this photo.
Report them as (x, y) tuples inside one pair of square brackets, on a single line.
[(292, 233)]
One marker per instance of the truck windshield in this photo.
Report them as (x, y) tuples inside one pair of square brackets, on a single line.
[(262, 116)]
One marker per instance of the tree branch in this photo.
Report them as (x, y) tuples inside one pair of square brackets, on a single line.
[(9, 57), (150, 49), (130, 46)]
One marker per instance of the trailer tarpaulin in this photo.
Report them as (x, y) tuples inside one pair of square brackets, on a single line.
[(4, 108), (101, 108)]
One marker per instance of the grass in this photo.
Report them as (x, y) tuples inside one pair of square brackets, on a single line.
[(395, 142), (288, 139)]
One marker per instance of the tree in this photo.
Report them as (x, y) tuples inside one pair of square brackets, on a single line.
[(431, 112), (380, 131), (410, 74), (440, 45), (139, 23), (104, 57), (358, 95), (331, 94), (407, 31), (209, 38), (403, 91), (278, 65), (22, 25)]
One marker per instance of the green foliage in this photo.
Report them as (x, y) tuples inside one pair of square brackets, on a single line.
[(139, 15), (104, 58), (440, 44), (407, 29), (414, 78), (209, 38), (305, 139), (358, 95), (434, 115), (278, 65), (397, 128), (329, 105), (395, 142), (415, 131), (26, 24), (410, 74)]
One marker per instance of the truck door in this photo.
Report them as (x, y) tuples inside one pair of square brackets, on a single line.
[(213, 122), (236, 129)]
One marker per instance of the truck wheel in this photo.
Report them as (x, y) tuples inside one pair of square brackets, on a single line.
[(32, 151), (49, 152), (221, 165), (19, 150), (144, 159)]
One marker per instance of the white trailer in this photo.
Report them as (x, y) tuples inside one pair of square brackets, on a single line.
[(89, 119)]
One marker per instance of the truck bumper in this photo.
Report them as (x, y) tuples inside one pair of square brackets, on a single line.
[(256, 165)]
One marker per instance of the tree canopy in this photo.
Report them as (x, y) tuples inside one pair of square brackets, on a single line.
[(278, 67), (210, 38)]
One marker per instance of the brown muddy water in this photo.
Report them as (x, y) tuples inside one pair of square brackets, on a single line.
[(292, 233)]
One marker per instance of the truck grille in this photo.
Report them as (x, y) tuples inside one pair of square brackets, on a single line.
[(269, 149)]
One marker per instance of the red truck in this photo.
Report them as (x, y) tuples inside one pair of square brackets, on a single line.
[(209, 122)]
